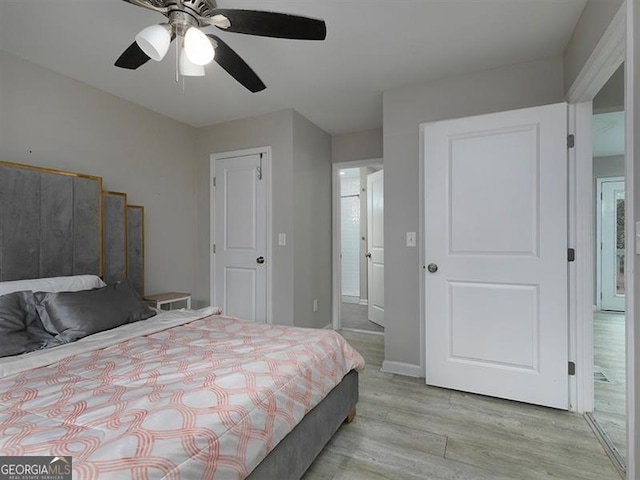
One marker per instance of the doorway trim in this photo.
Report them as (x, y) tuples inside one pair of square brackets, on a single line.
[(615, 46), (581, 272), (266, 172), (336, 320)]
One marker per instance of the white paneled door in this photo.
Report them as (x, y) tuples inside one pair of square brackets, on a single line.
[(240, 238), (496, 255), (375, 253)]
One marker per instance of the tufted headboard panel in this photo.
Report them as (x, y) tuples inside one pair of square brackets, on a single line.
[(49, 223), (55, 223)]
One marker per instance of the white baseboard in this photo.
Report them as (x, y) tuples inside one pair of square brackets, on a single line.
[(328, 326), (359, 330), (401, 368), (350, 299)]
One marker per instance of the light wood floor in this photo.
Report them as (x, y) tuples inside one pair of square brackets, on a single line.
[(405, 430), (354, 315), (609, 358)]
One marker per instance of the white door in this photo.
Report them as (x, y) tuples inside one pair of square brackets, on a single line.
[(240, 238), (611, 231), (496, 228), (375, 253)]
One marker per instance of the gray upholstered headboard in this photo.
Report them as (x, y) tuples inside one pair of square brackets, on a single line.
[(56, 223)]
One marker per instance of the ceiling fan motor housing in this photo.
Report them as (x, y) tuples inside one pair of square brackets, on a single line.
[(184, 14), (202, 8)]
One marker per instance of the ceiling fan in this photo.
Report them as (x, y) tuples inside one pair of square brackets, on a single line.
[(186, 18)]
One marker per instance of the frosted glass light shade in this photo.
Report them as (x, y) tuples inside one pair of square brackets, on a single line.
[(198, 47), (155, 40), (189, 69)]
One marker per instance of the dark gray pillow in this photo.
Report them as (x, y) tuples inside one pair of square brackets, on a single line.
[(20, 327), (73, 315)]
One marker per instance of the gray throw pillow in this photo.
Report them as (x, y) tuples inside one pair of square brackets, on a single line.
[(73, 315), (20, 327)]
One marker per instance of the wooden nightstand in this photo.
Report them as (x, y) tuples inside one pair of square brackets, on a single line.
[(168, 299)]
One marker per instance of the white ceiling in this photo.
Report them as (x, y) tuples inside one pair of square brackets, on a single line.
[(371, 46), (608, 134)]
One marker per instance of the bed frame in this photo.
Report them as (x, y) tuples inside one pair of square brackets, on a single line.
[(297, 451), (57, 223)]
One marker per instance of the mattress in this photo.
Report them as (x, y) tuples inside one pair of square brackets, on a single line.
[(182, 395)]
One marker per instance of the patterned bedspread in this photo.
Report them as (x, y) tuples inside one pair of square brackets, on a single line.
[(208, 399)]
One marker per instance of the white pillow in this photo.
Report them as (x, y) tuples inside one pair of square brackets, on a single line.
[(53, 284)]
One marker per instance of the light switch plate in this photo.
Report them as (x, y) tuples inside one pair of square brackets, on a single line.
[(411, 239), (282, 239)]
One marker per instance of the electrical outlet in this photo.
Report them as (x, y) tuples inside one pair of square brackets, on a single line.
[(315, 305), (282, 239)]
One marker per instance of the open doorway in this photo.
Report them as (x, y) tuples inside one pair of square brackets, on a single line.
[(609, 338), (359, 246)]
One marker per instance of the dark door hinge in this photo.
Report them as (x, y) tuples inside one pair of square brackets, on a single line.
[(571, 255), (572, 368), (214, 181), (571, 141)]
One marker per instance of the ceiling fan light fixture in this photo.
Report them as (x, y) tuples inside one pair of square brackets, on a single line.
[(155, 40), (187, 68), (198, 47)]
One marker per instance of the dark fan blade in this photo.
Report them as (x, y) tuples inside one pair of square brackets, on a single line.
[(132, 58), (236, 66), (271, 24)]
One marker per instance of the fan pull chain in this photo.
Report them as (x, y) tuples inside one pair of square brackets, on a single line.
[(178, 63)]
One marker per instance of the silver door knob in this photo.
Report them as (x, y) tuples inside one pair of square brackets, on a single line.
[(260, 260), (432, 267), (368, 255)]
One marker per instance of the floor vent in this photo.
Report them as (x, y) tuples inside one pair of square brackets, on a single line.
[(599, 376)]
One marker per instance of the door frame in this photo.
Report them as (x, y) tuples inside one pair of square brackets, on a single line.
[(599, 185), (266, 172), (336, 320), (608, 54), (615, 46)]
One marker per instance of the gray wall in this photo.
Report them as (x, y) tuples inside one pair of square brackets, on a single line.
[(274, 130), (610, 98), (608, 167), (356, 146), (50, 120), (518, 86), (312, 223), (593, 22), (301, 208)]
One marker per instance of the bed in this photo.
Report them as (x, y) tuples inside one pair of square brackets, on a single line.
[(172, 395), (179, 395)]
